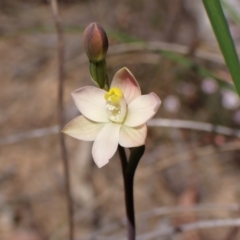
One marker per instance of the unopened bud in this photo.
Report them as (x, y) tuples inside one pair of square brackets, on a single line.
[(95, 42)]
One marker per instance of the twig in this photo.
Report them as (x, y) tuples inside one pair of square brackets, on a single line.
[(54, 7), (36, 133), (157, 46), (200, 152), (210, 224), (171, 230), (163, 211), (201, 126), (191, 226), (175, 210), (156, 122)]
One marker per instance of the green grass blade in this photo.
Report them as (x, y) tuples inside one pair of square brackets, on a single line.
[(225, 41)]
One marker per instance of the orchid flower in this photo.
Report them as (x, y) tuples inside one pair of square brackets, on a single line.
[(115, 117)]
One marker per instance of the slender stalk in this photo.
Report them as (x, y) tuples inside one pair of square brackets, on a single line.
[(129, 199), (54, 7)]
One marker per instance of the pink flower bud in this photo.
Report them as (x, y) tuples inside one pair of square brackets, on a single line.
[(95, 42)]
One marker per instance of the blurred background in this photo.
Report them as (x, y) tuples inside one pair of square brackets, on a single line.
[(187, 177)]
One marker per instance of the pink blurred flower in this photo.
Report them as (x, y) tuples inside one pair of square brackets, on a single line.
[(209, 86), (230, 99)]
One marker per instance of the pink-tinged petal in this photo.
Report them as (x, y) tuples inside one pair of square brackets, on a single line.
[(83, 128), (132, 137), (125, 81), (141, 109), (91, 103), (106, 143)]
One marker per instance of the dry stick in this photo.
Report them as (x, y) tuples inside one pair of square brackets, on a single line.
[(155, 122), (200, 152), (170, 230), (54, 7)]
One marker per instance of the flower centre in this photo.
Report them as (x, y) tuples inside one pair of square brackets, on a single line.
[(115, 105)]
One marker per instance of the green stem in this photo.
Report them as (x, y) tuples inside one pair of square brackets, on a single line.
[(98, 72)]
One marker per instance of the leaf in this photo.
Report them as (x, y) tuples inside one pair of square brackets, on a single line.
[(224, 38)]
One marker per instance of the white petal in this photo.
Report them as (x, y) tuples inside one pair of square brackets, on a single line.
[(132, 137), (83, 128), (141, 109), (91, 103), (106, 144), (125, 81)]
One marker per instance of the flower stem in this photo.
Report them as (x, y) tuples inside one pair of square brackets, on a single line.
[(129, 200), (128, 170)]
